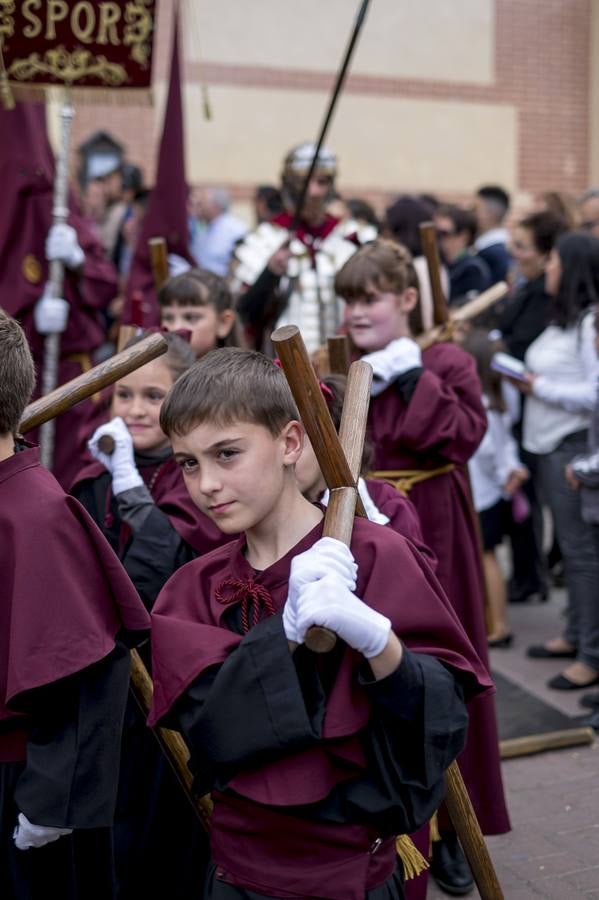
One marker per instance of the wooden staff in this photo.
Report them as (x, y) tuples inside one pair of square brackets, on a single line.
[(82, 387), (464, 313), (172, 744), (339, 360), (428, 236), (338, 473), (158, 260), (329, 450)]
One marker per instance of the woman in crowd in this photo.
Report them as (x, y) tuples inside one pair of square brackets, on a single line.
[(561, 387)]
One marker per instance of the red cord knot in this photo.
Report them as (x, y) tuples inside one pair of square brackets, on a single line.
[(236, 590)]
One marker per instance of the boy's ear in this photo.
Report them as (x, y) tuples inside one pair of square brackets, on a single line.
[(292, 436), (225, 322), (408, 299)]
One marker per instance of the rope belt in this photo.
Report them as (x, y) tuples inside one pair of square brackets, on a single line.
[(405, 479)]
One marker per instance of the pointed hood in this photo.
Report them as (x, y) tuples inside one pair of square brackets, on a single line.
[(166, 214)]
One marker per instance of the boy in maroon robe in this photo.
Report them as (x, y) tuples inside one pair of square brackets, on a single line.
[(67, 612), (315, 763), (426, 420)]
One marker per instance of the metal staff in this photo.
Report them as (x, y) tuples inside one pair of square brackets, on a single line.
[(60, 213), (331, 108)]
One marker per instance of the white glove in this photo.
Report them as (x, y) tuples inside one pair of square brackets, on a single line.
[(177, 265), (121, 462), (50, 314), (329, 603), (62, 244), (398, 357), (27, 835), (325, 556)]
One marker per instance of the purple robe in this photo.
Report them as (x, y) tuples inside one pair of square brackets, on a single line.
[(65, 594), (190, 636), (444, 422)]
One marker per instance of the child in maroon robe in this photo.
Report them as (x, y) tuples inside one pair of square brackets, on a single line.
[(426, 420), (138, 498), (315, 763), (67, 613), (200, 301)]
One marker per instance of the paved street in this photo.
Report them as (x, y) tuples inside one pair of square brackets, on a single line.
[(553, 850)]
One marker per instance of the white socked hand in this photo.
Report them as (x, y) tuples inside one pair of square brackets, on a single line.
[(62, 245), (329, 603), (325, 556), (121, 462), (50, 314), (27, 835), (398, 357)]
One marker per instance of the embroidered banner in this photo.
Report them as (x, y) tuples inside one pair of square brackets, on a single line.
[(87, 44)]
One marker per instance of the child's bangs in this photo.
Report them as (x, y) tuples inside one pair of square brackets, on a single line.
[(357, 276)]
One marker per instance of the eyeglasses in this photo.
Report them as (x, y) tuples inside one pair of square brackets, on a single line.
[(445, 232), (588, 226)]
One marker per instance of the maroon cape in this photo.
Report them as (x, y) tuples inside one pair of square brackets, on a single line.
[(65, 595), (172, 498), (27, 173), (188, 636), (445, 422)]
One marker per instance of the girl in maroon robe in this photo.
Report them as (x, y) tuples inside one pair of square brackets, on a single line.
[(67, 614), (314, 764), (426, 420)]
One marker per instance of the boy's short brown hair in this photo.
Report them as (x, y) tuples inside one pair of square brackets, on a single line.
[(17, 374), (383, 263), (226, 386)]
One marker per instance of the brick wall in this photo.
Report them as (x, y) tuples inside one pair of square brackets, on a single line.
[(542, 66)]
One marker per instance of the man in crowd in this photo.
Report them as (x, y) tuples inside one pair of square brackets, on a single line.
[(215, 231), (285, 268), (491, 206)]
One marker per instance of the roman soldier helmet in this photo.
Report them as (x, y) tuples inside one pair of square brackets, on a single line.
[(297, 165)]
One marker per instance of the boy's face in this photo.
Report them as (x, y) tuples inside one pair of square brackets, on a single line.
[(378, 317), (207, 326), (236, 473)]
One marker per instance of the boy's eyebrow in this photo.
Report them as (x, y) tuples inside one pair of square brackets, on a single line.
[(215, 446)]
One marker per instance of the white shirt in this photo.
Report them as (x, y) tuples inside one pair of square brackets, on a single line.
[(494, 460), (565, 392), (490, 238), (213, 245)]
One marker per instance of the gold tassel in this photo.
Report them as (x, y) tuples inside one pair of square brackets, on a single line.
[(6, 96), (434, 834), (412, 860)]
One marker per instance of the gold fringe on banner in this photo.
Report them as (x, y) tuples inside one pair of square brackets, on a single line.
[(6, 95), (91, 96)]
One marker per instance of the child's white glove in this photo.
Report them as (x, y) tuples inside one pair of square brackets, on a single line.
[(330, 604), (325, 556), (398, 357), (177, 265), (50, 314), (120, 463), (62, 244), (27, 835)]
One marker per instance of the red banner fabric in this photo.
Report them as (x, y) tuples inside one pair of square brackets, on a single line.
[(89, 43)]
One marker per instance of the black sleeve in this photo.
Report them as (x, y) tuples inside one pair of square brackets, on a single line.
[(256, 705), (154, 552), (406, 384), (71, 775), (417, 729), (257, 299)]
